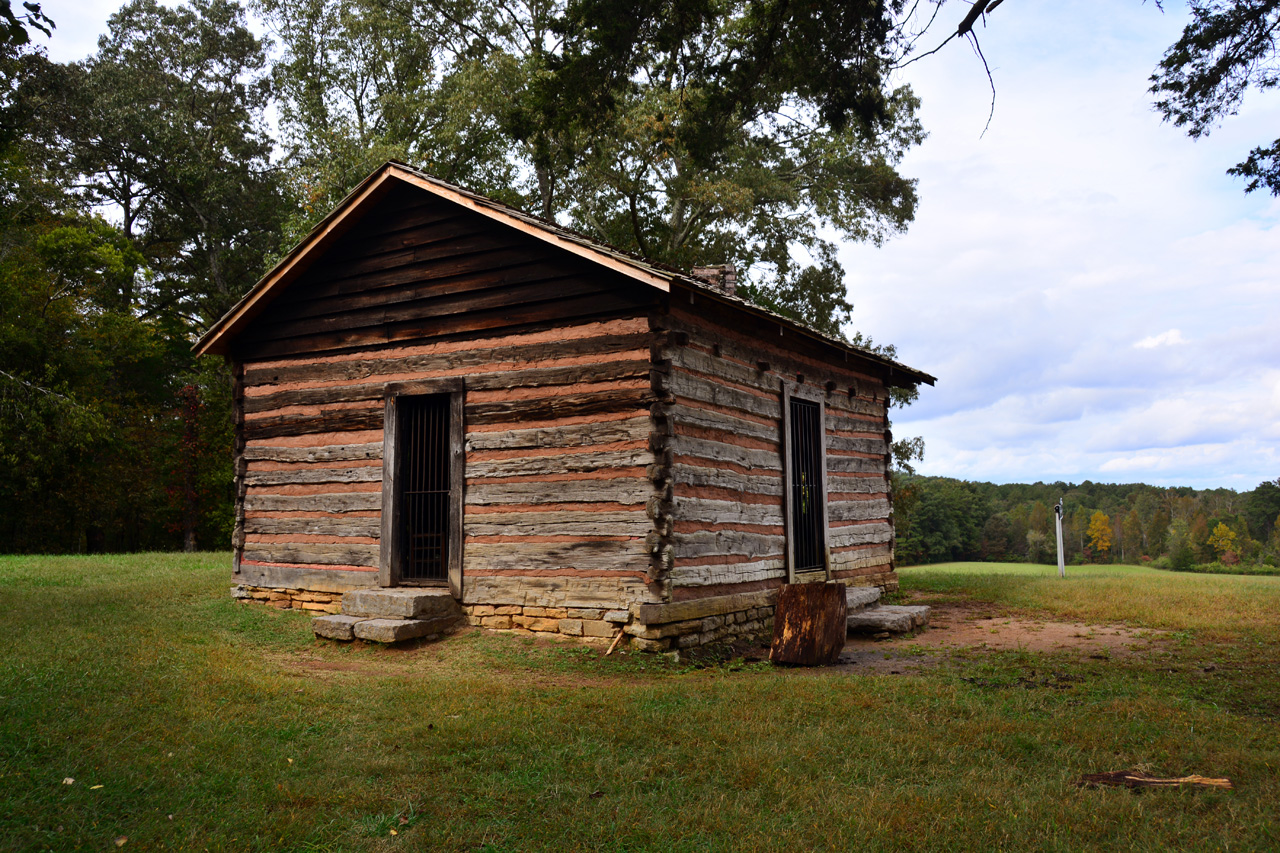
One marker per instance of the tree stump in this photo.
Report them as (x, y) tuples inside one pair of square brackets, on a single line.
[(809, 624)]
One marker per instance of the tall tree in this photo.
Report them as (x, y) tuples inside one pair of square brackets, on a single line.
[(685, 131)]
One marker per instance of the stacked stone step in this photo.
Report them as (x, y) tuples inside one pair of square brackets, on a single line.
[(391, 615), (868, 616)]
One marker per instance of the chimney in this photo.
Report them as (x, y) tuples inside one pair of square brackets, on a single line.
[(723, 277)]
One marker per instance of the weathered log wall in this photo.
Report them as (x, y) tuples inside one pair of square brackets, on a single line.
[(723, 436), (555, 356)]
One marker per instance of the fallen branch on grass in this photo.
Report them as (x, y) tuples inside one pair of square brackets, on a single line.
[(1138, 779)]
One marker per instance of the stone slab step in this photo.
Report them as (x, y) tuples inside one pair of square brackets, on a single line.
[(893, 618), (377, 630), (859, 598), (400, 603)]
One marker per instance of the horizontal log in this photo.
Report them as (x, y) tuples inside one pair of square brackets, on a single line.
[(872, 446), (331, 453), (700, 608), (483, 353), (869, 559), (570, 435), (344, 420), (357, 526), (860, 534), (526, 378), (628, 556), (366, 474), (622, 490), (690, 387), (706, 543), (563, 523), (855, 465), (604, 593), (718, 451), (720, 478), (715, 574), (335, 555), (568, 463), (299, 577), (858, 510), (566, 406), (708, 511), (709, 419), (872, 423), (351, 502), (856, 485)]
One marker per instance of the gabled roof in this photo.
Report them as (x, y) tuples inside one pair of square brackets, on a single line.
[(365, 197)]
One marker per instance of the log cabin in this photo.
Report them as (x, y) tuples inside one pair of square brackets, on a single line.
[(435, 390)]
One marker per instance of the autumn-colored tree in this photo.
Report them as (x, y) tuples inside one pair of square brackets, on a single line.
[(1222, 539), (1099, 533)]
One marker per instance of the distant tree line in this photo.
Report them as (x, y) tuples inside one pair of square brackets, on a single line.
[(940, 519)]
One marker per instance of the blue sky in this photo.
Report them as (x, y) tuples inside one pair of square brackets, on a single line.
[(1097, 298)]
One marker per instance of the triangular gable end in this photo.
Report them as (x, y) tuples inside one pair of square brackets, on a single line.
[(366, 198)]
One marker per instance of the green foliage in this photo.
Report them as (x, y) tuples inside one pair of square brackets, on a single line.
[(1228, 48), (689, 133)]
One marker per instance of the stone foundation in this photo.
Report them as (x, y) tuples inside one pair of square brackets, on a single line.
[(290, 599)]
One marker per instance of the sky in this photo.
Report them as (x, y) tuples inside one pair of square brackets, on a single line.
[(1096, 296)]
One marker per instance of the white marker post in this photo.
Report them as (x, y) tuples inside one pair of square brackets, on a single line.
[(1062, 565)]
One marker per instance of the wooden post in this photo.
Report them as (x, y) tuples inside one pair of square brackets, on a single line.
[(810, 624)]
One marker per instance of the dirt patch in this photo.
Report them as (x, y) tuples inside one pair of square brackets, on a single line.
[(963, 624)]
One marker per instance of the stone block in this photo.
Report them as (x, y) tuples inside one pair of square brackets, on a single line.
[(896, 619), (335, 627), (394, 630), (861, 597), (507, 610), (482, 610), (313, 606), (597, 628), (241, 591), (538, 612), (571, 627), (399, 603), (500, 622), (535, 623), (582, 613), (618, 616), (648, 645)]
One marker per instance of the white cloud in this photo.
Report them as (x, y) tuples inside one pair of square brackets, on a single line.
[(1172, 337)]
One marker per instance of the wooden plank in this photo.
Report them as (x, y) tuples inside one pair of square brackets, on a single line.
[(330, 453), (368, 474), (809, 624), (357, 526), (857, 485), (346, 420), (604, 304), (350, 502), (824, 465), (337, 555), (430, 305), (622, 490), (483, 353), (389, 541), (527, 378), (564, 406), (701, 608), (855, 465), (457, 489), (570, 435), (568, 463), (628, 556), (838, 444)]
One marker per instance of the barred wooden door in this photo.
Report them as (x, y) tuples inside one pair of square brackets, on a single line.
[(424, 486)]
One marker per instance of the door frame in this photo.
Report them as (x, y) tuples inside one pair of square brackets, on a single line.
[(818, 396), (391, 550)]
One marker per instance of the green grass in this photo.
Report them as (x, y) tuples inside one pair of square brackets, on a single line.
[(211, 724)]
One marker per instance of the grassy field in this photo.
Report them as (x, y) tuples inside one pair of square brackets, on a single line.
[(190, 721)]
